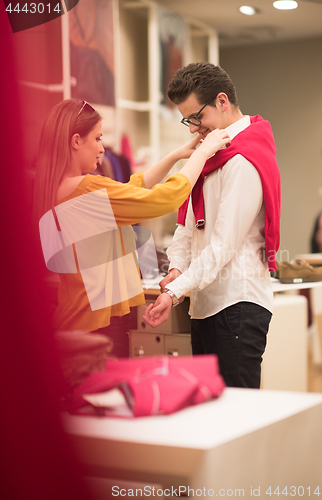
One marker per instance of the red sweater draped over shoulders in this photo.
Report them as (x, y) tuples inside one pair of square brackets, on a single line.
[(256, 144)]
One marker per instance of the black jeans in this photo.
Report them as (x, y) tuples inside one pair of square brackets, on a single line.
[(237, 335)]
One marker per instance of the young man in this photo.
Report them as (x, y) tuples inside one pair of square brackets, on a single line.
[(228, 235)]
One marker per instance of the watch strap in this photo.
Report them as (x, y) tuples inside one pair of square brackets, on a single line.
[(174, 298)]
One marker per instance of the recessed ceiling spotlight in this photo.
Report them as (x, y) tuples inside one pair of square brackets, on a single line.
[(285, 4), (247, 10)]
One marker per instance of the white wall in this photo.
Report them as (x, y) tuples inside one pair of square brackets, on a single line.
[(283, 83)]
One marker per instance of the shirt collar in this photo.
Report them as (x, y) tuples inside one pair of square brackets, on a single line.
[(237, 127)]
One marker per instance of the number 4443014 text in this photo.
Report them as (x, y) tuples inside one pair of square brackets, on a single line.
[(34, 8)]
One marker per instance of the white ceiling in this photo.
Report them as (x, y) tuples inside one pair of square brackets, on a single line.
[(268, 25)]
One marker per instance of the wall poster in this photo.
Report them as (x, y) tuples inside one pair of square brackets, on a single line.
[(92, 51), (173, 37)]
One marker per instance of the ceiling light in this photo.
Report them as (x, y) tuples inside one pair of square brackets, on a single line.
[(285, 4), (247, 10)]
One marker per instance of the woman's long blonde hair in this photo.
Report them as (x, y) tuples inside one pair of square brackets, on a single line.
[(63, 121)]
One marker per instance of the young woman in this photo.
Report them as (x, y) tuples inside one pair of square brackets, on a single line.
[(85, 219)]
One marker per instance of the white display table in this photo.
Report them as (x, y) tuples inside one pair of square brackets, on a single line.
[(285, 361), (288, 287), (247, 439)]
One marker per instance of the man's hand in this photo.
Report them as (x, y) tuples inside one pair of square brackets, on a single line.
[(157, 313), (173, 274)]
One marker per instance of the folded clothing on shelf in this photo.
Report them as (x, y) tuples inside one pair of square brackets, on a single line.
[(298, 272), (150, 386)]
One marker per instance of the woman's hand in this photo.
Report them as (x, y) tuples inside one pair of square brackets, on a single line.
[(208, 146), (215, 140), (186, 150), (157, 313), (156, 173)]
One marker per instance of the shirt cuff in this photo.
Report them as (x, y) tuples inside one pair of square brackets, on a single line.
[(179, 286), (178, 264)]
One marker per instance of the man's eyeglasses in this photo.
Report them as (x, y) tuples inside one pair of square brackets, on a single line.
[(194, 120), (83, 106)]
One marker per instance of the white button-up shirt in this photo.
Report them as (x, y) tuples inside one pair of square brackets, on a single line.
[(223, 263)]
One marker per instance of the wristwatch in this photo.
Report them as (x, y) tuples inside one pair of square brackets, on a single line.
[(174, 298)]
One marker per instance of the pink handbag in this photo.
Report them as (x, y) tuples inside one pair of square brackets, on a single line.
[(150, 386)]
